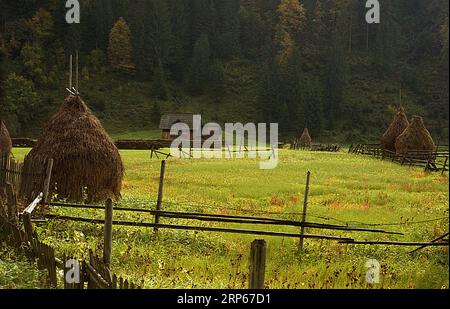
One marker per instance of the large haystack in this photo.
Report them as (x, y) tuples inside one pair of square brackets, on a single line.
[(397, 127), (85, 159), (305, 140), (5, 139), (415, 137)]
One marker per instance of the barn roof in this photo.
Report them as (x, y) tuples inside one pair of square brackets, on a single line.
[(168, 120)]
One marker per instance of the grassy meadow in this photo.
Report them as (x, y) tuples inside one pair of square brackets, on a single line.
[(345, 189)]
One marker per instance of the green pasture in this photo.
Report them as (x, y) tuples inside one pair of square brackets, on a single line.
[(345, 189)]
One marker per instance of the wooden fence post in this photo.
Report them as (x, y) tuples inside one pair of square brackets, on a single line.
[(160, 193), (445, 165), (257, 264), (12, 203), (30, 234), (48, 176), (107, 245), (305, 209)]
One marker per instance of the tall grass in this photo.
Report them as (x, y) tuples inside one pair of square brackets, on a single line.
[(344, 189)]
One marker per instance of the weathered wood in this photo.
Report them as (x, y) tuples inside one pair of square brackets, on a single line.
[(433, 241), (95, 280), (107, 244), (445, 166), (195, 228), (48, 176), (30, 209), (394, 243), (160, 193), (26, 217), (305, 209), (257, 264), (12, 203), (114, 282), (233, 219)]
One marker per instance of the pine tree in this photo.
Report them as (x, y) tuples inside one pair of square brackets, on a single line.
[(119, 49), (152, 37), (216, 82), (159, 83), (180, 28), (200, 65), (286, 45), (227, 28), (104, 22), (335, 70), (290, 27), (204, 22)]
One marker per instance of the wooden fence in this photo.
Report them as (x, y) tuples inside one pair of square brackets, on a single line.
[(21, 235), (27, 178), (434, 161), (295, 145), (95, 271)]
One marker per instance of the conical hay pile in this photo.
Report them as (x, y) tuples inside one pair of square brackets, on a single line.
[(305, 140), (85, 158), (415, 137), (397, 127), (5, 139)]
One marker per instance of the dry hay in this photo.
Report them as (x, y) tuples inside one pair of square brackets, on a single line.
[(305, 140), (415, 137), (86, 161), (397, 127), (5, 139)]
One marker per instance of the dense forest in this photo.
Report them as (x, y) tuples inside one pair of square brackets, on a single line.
[(314, 63)]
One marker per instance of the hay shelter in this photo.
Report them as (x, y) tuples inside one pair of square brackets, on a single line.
[(5, 139), (86, 163), (397, 127), (305, 139), (415, 137)]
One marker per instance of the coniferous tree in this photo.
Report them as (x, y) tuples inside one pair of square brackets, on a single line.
[(180, 29), (200, 65), (119, 48)]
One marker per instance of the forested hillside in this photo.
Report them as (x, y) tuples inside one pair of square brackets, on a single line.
[(314, 63)]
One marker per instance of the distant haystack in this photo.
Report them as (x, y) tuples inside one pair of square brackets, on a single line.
[(85, 159), (397, 126), (415, 137), (305, 140), (5, 139)]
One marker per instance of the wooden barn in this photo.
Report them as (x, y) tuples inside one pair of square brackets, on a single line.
[(168, 120)]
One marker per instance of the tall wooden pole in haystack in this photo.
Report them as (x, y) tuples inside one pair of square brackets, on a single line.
[(76, 71), (70, 72)]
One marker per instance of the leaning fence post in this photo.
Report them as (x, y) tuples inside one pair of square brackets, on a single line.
[(305, 209), (160, 193), (257, 264), (107, 246), (48, 176)]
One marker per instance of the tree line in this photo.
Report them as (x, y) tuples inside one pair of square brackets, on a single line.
[(313, 56)]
